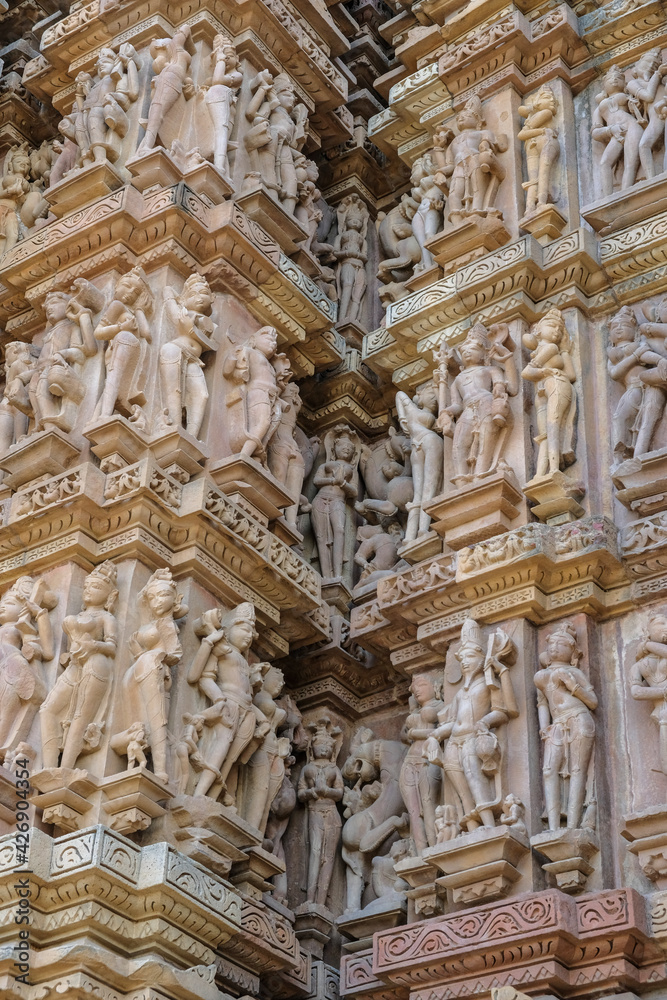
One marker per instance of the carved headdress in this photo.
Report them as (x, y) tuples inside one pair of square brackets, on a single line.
[(324, 734)]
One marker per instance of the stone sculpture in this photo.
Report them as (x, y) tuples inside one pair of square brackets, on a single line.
[(428, 201), (15, 403), (400, 249), (619, 129), (478, 416), (182, 379), (386, 884), (155, 648), (646, 76), (565, 703), (276, 136), (551, 369), (284, 458), (124, 326), (472, 165), (282, 807), (351, 252), (419, 780), (222, 673), (57, 388), (221, 97), (337, 483), (99, 121), (26, 637), (375, 808), (75, 714), (387, 476), (377, 553), (472, 755), (253, 407), (417, 418), (14, 187), (262, 775), (540, 136), (171, 78), (638, 360), (320, 787), (648, 677)]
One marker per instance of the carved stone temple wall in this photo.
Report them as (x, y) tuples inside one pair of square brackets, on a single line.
[(333, 499)]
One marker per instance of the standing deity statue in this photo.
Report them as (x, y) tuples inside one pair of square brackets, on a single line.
[(57, 388), (182, 379), (472, 165), (565, 703), (99, 121), (26, 637), (638, 360), (419, 780), (551, 369), (284, 458), (221, 97), (417, 418), (75, 713), (222, 673), (351, 252), (320, 787), (253, 398), (646, 76), (617, 125), (540, 135), (144, 696), (478, 417), (337, 482), (648, 677), (171, 78), (468, 725), (276, 136), (14, 188), (124, 327), (263, 771)]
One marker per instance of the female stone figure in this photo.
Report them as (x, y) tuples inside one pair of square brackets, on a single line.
[(429, 200), (645, 77), (15, 403), (221, 97), (282, 807), (648, 677), (552, 371), (417, 418), (263, 773), (25, 638), (181, 369), (284, 456), (419, 780), (633, 353), (540, 135), (565, 702), (320, 788), (253, 407), (221, 671), (478, 417), (124, 326), (75, 712), (337, 480), (616, 124), (14, 187), (351, 251), (156, 649)]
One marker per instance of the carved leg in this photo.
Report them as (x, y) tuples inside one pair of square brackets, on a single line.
[(170, 383), (196, 398), (90, 695), (354, 879)]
